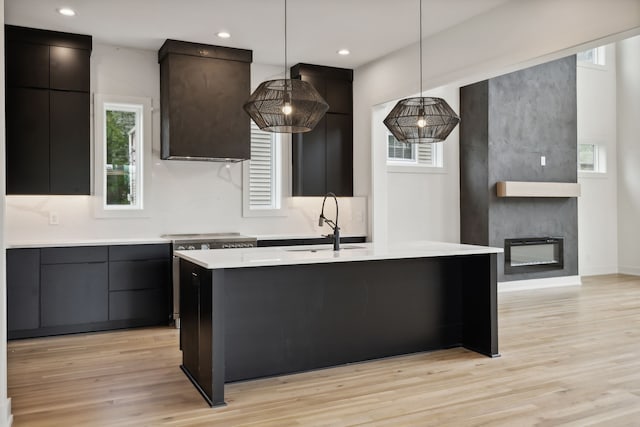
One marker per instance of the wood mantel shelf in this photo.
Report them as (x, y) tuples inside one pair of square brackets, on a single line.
[(537, 189)]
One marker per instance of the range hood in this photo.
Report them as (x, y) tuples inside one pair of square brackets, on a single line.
[(202, 91)]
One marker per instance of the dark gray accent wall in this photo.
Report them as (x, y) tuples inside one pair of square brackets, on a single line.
[(507, 124)]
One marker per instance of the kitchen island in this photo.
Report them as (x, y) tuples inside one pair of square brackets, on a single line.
[(252, 313)]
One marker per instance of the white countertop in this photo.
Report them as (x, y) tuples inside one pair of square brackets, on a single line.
[(23, 244), (303, 236), (316, 254)]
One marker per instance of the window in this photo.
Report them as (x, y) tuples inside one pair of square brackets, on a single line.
[(122, 143), (419, 155), (262, 174), (400, 151), (591, 158), (595, 56)]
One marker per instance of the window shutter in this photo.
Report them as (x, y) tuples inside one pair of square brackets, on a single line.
[(425, 154), (261, 169)]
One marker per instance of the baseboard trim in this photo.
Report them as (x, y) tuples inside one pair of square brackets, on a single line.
[(6, 418), (548, 282), (634, 271)]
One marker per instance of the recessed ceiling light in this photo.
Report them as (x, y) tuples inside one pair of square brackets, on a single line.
[(66, 11), (223, 35), (344, 52)]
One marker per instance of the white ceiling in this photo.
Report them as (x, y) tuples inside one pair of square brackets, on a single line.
[(316, 28)]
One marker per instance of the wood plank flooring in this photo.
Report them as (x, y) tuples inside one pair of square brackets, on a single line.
[(570, 357)]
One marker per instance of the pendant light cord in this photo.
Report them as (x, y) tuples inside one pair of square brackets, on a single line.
[(285, 39), (420, 48)]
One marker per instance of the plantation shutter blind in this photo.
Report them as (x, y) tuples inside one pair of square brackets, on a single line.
[(261, 170), (425, 154)]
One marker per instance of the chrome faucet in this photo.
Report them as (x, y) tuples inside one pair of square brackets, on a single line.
[(335, 237)]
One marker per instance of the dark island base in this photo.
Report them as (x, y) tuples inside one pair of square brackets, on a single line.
[(246, 323)]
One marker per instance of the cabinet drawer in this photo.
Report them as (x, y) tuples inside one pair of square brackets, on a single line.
[(75, 254), (145, 274), (148, 304), (73, 294), (136, 252)]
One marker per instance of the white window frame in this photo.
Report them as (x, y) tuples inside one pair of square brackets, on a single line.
[(142, 107), (277, 207), (397, 165), (599, 56), (600, 160)]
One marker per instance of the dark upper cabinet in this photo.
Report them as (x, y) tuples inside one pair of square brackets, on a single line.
[(323, 158), (69, 133), (308, 155), (48, 111), (27, 64), (69, 68), (27, 148), (202, 91), (339, 165)]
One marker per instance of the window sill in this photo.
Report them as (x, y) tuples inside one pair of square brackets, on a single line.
[(416, 169), (593, 175), (593, 66)]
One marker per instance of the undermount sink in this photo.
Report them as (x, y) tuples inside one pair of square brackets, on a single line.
[(324, 249)]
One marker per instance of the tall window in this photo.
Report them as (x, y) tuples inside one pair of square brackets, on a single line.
[(262, 174), (123, 142), (123, 162), (401, 153)]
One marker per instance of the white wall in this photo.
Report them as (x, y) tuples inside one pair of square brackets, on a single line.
[(512, 36), (628, 96), (5, 403), (421, 206), (597, 206), (185, 196)]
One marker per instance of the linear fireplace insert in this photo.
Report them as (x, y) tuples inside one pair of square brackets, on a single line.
[(531, 254)]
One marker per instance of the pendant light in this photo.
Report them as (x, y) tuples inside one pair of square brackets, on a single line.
[(421, 119), (286, 105)]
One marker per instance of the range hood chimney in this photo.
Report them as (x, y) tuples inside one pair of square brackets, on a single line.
[(202, 91)]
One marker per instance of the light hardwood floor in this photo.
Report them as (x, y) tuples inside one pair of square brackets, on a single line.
[(570, 357)]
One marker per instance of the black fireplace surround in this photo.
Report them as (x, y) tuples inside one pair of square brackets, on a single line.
[(531, 254)]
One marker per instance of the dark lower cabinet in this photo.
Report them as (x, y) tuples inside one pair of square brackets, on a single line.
[(144, 304), (59, 290), (189, 318), (73, 294), (196, 334), (23, 289), (140, 283)]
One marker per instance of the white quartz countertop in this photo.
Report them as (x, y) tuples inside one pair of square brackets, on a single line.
[(68, 242), (84, 242), (317, 254)]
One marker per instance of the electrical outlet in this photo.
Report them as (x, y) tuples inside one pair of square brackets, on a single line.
[(53, 218), (543, 160)]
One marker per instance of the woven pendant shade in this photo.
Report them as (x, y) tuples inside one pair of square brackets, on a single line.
[(286, 106), (421, 120)]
